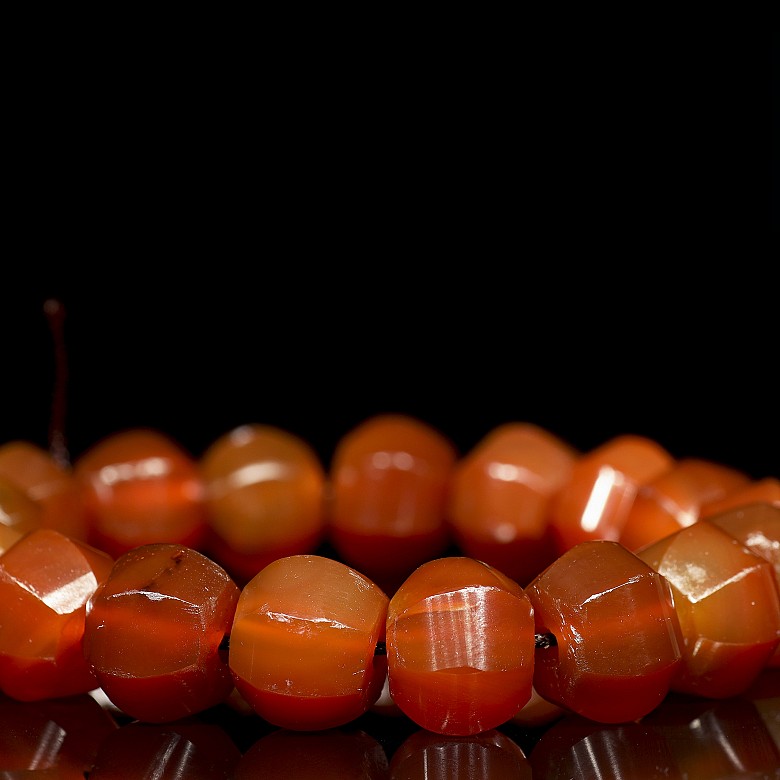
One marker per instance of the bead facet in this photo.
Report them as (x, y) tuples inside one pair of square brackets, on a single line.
[(460, 646), (618, 642)]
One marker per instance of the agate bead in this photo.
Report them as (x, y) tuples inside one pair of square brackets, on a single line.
[(500, 495), (140, 487), (154, 631), (46, 581), (389, 478), (265, 493), (600, 492), (460, 647), (728, 606), (302, 647), (617, 638)]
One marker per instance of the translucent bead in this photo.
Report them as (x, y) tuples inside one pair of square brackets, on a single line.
[(51, 486), (728, 606), (618, 642), (46, 580), (389, 478), (17, 511), (154, 631), (140, 487), (500, 495), (265, 494), (675, 498), (763, 491), (302, 647), (460, 646), (596, 501)]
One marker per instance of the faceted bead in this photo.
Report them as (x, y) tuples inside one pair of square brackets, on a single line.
[(674, 500), (141, 487), (728, 606), (302, 648), (51, 486), (763, 491), (460, 647), (265, 493), (185, 749), (8, 536), (500, 495), (389, 478), (17, 510), (618, 641), (154, 631), (58, 738), (46, 580), (321, 755), (491, 755), (595, 503)]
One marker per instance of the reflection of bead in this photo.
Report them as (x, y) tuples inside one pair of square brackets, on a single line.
[(460, 644)]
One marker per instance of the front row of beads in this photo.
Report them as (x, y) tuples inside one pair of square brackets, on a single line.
[(696, 612)]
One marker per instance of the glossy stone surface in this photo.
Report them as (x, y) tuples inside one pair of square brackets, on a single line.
[(389, 479), (762, 491), (154, 630), (604, 483), (141, 487), (265, 496), (675, 498), (618, 639), (46, 581), (303, 641), (17, 510), (460, 639), (51, 486), (728, 606), (428, 756), (500, 495)]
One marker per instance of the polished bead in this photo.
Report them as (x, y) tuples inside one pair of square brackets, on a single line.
[(617, 636), (58, 738), (302, 647), (538, 712), (321, 755), (595, 502), (762, 491), (46, 580), (491, 755), (188, 749), (141, 487), (389, 478), (17, 510), (50, 485), (154, 631), (265, 493), (500, 495), (728, 606), (8, 536), (460, 646), (674, 499)]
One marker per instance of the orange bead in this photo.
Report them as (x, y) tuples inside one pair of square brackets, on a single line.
[(618, 638), (389, 478), (46, 580), (728, 606), (460, 647), (17, 511), (302, 648), (51, 486), (757, 526), (154, 631), (8, 536), (674, 500), (265, 493), (596, 501), (140, 487), (763, 491), (500, 495)]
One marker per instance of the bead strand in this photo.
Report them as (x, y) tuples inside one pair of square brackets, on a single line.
[(466, 644)]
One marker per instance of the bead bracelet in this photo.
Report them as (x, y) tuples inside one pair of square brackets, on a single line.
[(602, 631)]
